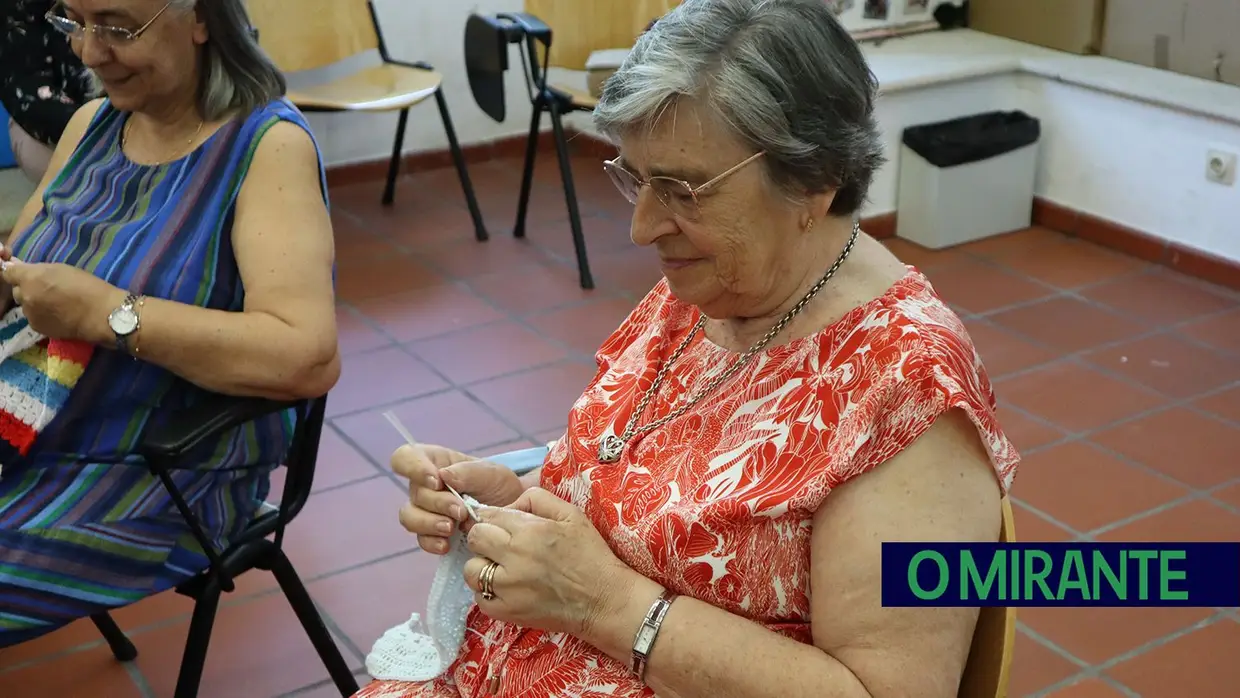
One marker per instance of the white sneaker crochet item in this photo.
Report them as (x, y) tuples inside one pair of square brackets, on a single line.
[(410, 652)]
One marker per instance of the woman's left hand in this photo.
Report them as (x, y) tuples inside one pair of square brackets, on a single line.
[(555, 572), (60, 301)]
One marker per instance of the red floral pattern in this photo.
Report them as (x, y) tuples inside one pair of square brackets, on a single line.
[(718, 503)]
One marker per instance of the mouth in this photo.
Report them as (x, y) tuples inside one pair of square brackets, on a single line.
[(114, 82), (677, 263)]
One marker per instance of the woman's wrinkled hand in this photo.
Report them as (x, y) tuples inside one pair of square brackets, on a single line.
[(433, 512), (555, 572), (60, 301)]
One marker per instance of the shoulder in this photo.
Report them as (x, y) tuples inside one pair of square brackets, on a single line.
[(911, 363), (82, 119), (279, 141)]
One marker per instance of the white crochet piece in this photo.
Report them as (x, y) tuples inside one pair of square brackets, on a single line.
[(410, 652)]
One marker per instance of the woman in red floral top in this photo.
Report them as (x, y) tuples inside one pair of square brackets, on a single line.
[(788, 397)]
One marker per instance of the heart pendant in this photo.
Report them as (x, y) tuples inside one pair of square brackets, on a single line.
[(610, 448)]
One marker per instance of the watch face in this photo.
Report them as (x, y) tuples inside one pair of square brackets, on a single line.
[(123, 321), (645, 638)]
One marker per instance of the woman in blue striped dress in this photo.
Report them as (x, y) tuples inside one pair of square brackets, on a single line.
[(182, 229)]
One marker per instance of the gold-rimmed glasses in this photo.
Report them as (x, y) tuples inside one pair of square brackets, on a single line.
[(111, 36), (676, 195)]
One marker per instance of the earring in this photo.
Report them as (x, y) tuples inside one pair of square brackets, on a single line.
[(809, 226)]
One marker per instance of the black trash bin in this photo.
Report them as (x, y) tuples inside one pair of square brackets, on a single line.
[(968, 178)]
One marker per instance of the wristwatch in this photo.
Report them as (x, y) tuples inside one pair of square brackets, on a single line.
[(125, 321), (643, 643)]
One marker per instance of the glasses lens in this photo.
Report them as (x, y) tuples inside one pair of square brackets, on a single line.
[(625, 181), (64, 25), (114, 35), (676, 196)]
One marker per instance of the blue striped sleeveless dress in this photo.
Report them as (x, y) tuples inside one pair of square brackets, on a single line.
[(84, 526)]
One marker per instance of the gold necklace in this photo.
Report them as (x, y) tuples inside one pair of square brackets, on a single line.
[(611, 447), (187, 147)]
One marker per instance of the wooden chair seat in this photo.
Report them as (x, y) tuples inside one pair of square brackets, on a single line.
[(990, 656), (308, 35), (580, 99), (386, 87)]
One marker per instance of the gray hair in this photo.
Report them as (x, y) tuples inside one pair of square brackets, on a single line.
[(783, 74), (237, 75)]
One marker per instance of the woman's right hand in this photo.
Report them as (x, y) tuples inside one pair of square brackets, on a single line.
[(433, 512)]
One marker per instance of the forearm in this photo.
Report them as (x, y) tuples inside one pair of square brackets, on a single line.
[(705, 652), (234, 353)]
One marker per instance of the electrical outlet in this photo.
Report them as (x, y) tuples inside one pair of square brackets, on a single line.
[(1221, 167)]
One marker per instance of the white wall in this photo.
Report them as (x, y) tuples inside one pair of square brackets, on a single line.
[(1136, 164)]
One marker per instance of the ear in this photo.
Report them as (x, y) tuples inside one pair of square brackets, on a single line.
[(817, 207), (200, 33)]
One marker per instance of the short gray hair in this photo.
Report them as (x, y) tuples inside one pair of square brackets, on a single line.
[(237, 75), (784, 74)]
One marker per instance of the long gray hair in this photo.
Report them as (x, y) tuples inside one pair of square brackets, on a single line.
[(783, 74), (237, 75)]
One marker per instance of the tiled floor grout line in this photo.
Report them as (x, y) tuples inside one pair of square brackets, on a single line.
[(1193, 495), (139, 680), (1098, 669), (339, 635), (1048, 644), (1090, 673)]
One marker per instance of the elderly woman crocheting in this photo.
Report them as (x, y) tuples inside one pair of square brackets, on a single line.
[(787, 398)]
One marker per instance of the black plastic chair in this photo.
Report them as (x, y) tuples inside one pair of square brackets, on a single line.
[(258, 547), (486, 60)]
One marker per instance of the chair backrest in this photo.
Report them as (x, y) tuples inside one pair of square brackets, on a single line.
[(486, 61), (309, 34), (990, 655), (302, 458), (299, 463), (585, 26)]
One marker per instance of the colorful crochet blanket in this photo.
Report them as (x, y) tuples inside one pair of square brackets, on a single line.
[(36, 376)]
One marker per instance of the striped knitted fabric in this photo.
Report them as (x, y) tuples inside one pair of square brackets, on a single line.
[(36, 376)]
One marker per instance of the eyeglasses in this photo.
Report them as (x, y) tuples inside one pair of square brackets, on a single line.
[(111, 36), (676, 195)]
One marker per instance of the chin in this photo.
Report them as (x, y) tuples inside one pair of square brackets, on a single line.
[(691, 294)]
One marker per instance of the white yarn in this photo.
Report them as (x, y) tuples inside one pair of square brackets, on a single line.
[(410, 652)]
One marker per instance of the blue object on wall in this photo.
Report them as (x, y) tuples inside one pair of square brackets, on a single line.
[(6, 148)]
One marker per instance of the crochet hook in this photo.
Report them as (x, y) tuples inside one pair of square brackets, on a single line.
[(404, 433)]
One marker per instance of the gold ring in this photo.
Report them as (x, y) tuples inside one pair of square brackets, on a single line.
[(485, 579)]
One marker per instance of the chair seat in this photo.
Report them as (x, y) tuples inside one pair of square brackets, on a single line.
[(386, 87), (580, 99)]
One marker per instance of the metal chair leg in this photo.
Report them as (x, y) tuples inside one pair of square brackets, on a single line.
[(527, 172), (570, 196), (389, 189), (458, 157), (120, 644), (194, 658), (313, 624)]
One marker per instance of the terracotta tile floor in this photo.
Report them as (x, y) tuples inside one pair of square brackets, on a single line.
[(1120, 383)]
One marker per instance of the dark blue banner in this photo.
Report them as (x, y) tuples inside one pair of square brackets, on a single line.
[(1061, 574)]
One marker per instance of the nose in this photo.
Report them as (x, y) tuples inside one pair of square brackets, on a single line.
[(651, 219), (92, 50)]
